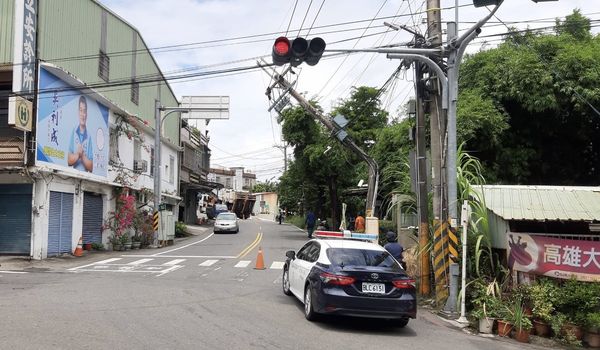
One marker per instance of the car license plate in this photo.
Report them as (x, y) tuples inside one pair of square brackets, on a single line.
[(378, 288)]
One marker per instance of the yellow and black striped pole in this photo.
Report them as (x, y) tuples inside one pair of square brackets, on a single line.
[(155, 221), (440, 261)]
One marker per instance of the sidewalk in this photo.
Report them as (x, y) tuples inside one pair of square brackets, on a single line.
[(430, 315)]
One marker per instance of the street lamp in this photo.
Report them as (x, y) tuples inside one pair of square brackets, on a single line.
[(198, 107)]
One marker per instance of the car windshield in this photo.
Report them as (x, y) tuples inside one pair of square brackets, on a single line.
[(360, 257), (226, 216)]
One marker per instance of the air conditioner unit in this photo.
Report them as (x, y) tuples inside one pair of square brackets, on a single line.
[(140, 166)]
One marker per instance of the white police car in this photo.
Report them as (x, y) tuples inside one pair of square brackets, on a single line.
[(343, 274)]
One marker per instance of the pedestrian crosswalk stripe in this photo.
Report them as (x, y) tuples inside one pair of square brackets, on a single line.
[(208, 263), (139, 262), (243, 263), (173, 262), (277, 265), (107, 261)]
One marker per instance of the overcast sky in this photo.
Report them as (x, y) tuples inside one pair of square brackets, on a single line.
[(248, 137)]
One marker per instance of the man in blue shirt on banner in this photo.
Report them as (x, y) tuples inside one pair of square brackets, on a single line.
[(81, 150)]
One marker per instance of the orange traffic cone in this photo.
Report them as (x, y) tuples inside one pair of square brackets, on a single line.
[(79, 249), (260, 262)]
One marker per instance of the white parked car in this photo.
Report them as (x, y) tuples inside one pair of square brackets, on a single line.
[(226, 222)]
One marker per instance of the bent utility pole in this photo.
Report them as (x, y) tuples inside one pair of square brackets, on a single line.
[(373, 179)]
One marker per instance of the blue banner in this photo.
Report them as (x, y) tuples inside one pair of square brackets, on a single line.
[(72, 128)]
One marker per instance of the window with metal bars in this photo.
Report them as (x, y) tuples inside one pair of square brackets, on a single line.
[(103, 66), (135, 91)]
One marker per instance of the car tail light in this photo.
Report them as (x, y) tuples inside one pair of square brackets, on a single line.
[(404, 284), (338, 280)]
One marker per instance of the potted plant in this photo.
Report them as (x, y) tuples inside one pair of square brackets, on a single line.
[(592, 335), (126, 241), (505, 325), (578, 299), (115, 241), (542, 296), (485, 305), (136, 241), (521, 322)]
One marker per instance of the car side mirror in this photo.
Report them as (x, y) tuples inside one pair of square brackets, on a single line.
[(291, 254)]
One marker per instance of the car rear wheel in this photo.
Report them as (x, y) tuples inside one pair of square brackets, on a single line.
[(400, 323), (309, 311), (285, 282)]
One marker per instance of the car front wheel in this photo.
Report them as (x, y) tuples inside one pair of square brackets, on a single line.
[(285, 282), (309, 311)]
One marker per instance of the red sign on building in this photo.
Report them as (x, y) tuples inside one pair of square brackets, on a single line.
[(554, 257)]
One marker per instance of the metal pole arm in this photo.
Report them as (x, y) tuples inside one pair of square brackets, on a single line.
[(477, 26), (428, 52), (431, 64)]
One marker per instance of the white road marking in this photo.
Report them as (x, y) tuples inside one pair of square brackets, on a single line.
[(14, 272), (243, 263), (95, 263), (277, 265), (208, 263), (185, 246), (139, 262), (107, 261), (174, 262), (170, 269)]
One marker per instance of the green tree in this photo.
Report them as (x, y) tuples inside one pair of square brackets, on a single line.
[(525, 106)]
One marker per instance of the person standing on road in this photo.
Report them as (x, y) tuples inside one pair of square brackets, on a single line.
[(311, 219), (280, 216), (394, 248), (359, 223)]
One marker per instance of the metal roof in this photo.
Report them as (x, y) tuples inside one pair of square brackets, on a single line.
[(541, 203)]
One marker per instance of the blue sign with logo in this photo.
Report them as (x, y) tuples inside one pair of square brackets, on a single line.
[(72, 128)]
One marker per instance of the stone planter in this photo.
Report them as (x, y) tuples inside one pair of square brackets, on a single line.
[(542, 329), (136, 245), (486, 325), (127, 246), (504, 328), (117, 247)]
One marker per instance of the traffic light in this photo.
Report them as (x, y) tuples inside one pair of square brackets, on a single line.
[(297, 50)]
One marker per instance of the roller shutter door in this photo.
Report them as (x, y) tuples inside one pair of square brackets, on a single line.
[(60, 223), (92, 218), (15, 219)]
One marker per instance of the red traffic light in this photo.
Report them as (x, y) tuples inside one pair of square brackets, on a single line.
[(297, 51), (282, 46), (281, 51)]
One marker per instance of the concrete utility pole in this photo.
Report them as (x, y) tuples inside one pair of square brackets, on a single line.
[(436, 120), (422, 202), (373, 179)]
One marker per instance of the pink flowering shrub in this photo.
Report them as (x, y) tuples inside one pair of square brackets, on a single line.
[(121, 220)]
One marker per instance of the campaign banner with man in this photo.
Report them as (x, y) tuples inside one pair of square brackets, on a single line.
[(72, 128), (554, 257)]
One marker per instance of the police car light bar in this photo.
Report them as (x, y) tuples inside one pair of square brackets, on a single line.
[(346, 235)]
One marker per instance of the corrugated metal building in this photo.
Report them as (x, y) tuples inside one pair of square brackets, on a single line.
[(546, 230), (80, 43)]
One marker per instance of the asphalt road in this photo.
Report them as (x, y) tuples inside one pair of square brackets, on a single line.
[(202, 293)]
